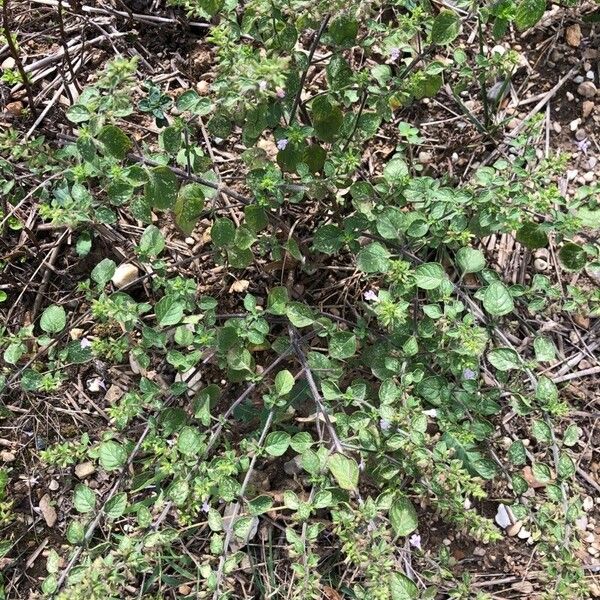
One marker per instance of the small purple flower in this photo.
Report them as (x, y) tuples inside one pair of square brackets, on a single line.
[(415, 541), (262, 85), (281, 144), (280, 92), (394, 54), (384, 424), (85, 343), (469, 374), (205, 506), (370, 296), (584, 145)]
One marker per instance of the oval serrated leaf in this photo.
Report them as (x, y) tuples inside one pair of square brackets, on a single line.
[(403, 517), (344, 470)]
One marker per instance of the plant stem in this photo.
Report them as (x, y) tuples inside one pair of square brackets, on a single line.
[(15, 54), (311, 53)]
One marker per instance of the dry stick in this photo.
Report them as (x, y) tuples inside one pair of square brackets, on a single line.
[(46, 110), (117, 13), (577, 374), (212, 157), (46, 277), (294, 336), (311, 53), (63, 41), (236, 508), (534, 111), (16, 57)]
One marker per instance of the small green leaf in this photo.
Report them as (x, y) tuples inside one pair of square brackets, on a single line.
[(403, 588), (112, 455), (532, 236), (429, 276), (301, 442), (403, 517), (545, 351), (470, 260), (78, 113), (566, 466), (103, 272), (344, 470), (541, 432), (343, 30), (504, 359), (497, 300), (572, 256), (189, 441), (328, 239), (84, 499), (277, 443), (517, 454), (169, 311), (342, 345), (277, 301), (152, 242), (327, 118), (542, 473), (284, 382), (300, 315), (54, 319), (571, 435), (529, 12), (261, 504), (75, 532), (115, 141), (188, 207), (160, 191), (222, 232), (445, 28), (116, 506), (374, 258)]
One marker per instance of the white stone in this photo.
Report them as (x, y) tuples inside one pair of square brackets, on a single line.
[(125, 274), (8, 63)]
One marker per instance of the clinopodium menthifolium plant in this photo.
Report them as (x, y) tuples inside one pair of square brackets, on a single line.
[(335, 382)]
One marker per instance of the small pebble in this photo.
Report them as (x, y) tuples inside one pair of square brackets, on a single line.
[(85, 469), (578, 79), (125, 274), (203, 87), (588, 177), (587, 89), (574, 125), (573, 35), (580, 135), (8, 63), (53, 485), (586, 108), (7, 456), (425, 157), (590, 75)]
